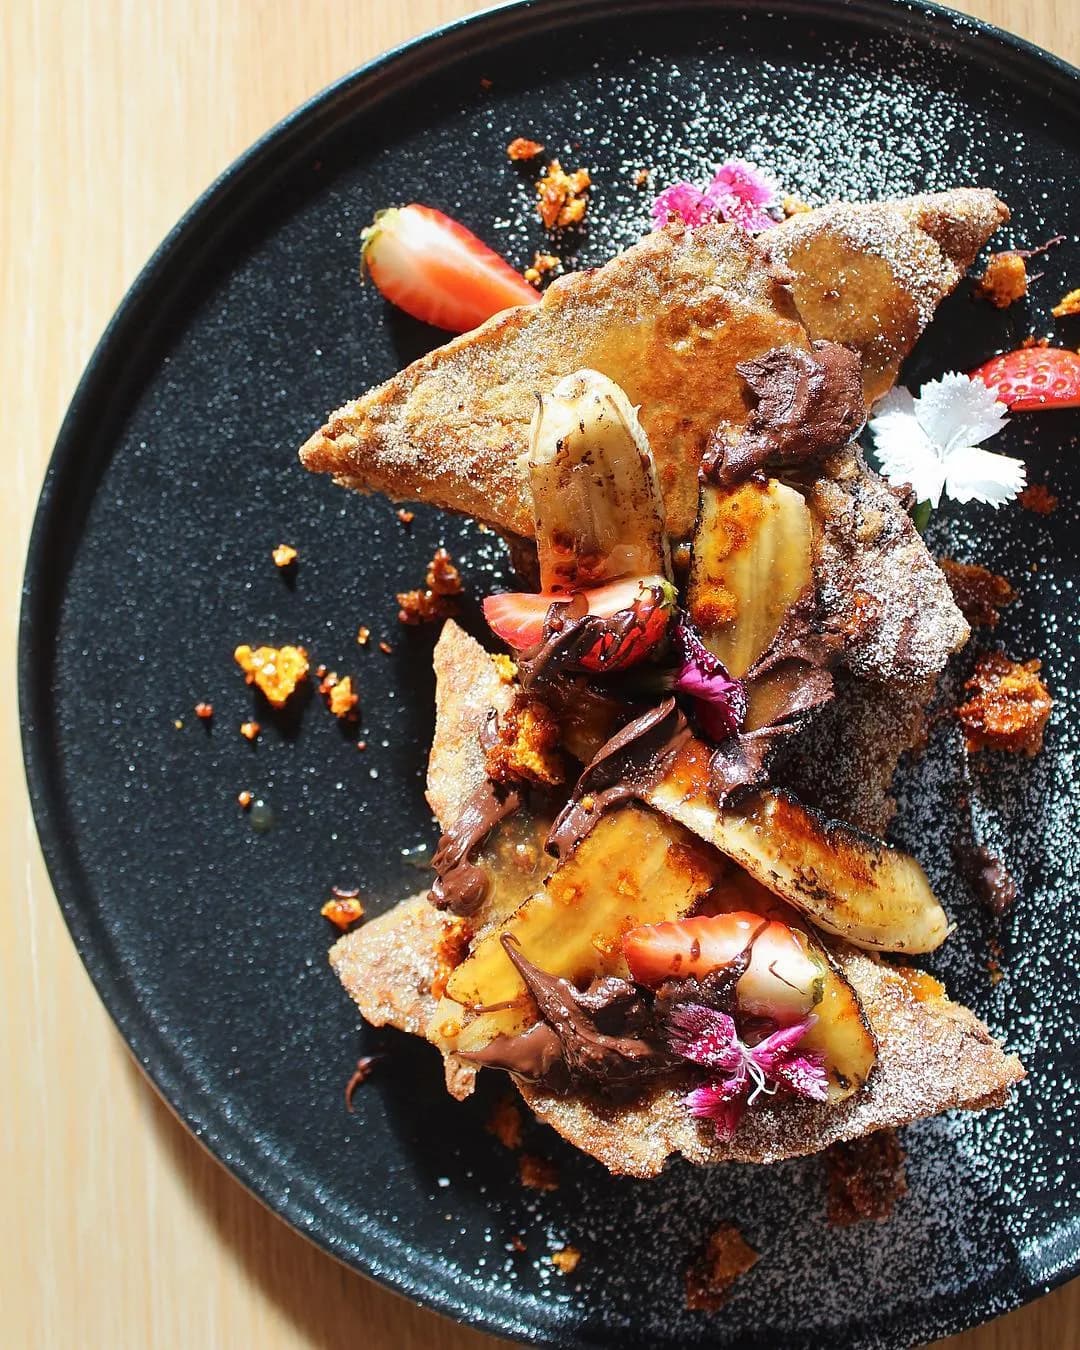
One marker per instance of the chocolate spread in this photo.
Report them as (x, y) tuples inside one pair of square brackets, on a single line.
[(808, 403), (988, 877), (460, 886)]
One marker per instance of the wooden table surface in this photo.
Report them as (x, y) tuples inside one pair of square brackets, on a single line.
[(117, 1229)]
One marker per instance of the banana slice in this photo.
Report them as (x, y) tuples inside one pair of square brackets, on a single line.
[(752, 559), (596, 499), (849, 884), (635, 867)]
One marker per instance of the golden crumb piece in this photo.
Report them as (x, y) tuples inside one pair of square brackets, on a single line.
[(538, 1174), (385, 647), (343, 909), (442, 576), (866, 1178), (1032, 341), (641, 178), (505, 1123), (542, 264), (504, 667), (566, 1260), (527, 746), (284, 555), (244, 799), (560, 196), (710, 1277), (1037, 497), (442, 582), (341, 698), (276, 671), (979, 593), (178, 723), (453, 944), (204, 711), (794, 206), (363, 635), (522, 148), (249, 730), (1009, 705), (1005, 280), (1068, 304), (406, 517)]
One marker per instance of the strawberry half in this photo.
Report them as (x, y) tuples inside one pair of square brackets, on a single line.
[(638, 608), (1032, 378), (438, 271), (782, 981)]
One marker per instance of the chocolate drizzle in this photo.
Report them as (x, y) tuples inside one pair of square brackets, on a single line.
[(460, 885), (808, 403)]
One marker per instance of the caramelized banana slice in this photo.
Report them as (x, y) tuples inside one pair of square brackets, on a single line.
[(752, 559), (596, 500), (846, 882), (635, 867)]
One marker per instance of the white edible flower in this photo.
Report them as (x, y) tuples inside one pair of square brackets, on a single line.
[(932, 442)]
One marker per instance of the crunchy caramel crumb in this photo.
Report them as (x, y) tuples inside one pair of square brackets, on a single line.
[(504, 667), (1037, 497), (416, 607), (1032, 341), (527, 746), (560, 196), (442, 576), (993, 969), (517, 1243), (406, 517), (979, 593), (320, 671), (1068, 304), (249, 730), (522, 148), (453, 945), (244, 799), (566, 1260), (178, 723), (360, 1074), (341, 698), (361, 745), (442, 582), (794, 206), (1009, 707), (485, 83), (385, 648), (542, 264), (276, 671), (343, 909), (505, 1123), (1005, 280), (284, 555), (866, 1178), (204, 711), (539, 1174), (711, 1275), (363, 635), (641, 178)]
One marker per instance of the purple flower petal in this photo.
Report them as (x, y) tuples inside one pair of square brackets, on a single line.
[(721, 1103), (718, 701), (682, 201), (804, 1075), (739, 191), (707, 1037), (778, 1047)]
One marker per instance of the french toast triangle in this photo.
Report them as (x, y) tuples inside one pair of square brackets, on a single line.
[(931, 1054), (668, 320)]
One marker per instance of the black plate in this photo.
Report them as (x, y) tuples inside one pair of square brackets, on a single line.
[(174, 475)]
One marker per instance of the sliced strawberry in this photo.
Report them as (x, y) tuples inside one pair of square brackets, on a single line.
[(782, 981), (638, 609), (438, 271), (1034, 377)]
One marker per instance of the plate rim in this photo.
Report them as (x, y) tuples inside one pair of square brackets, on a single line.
[(162, 1066)]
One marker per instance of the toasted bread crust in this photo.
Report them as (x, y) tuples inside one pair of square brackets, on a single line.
[(668, 320)]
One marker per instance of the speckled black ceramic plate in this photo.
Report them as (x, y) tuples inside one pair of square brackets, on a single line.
[(174, 475)]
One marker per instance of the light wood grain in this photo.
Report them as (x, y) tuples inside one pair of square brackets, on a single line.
[(117, 1229)]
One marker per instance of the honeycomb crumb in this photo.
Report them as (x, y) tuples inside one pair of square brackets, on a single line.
[(244, 799), (1005, 280), (406, 517), (385, 648), (284, 555), (504, 667), (979, 593), (1037, 497), (250, 730), (1008, 708), (542, 264), (566, 1259), (538, 1174), (641, 178), (178, 723), (560, 196), (363, 635), (526, 746), (712, 1274), (204, 711), (453, 944), (442, 582), (343, 909), (794, 206), (360, 1074), (505, 1123), (341, 698), (1067, 305), (275, 671), (522, 148), (865, 1178)]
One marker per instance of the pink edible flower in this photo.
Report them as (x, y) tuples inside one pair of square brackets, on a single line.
[(738, 192), (718, 702), (742, 1072)]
